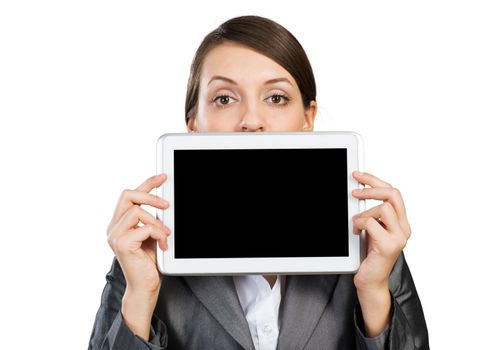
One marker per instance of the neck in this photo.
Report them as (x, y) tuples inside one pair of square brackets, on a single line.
[(271, 279)]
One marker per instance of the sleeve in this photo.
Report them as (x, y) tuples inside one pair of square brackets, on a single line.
[(110, 331), (362, 341), (407, 330)]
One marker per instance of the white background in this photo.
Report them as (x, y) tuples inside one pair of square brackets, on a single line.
[(87, 87)]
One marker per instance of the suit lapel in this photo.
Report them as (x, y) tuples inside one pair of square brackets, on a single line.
[(218, 295), (306, 297)]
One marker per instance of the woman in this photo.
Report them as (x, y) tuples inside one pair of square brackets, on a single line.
[(251, 74)]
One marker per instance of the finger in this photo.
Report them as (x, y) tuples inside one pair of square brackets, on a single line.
[(133, 240), (372, 227), (142, 233), (387, 215), (380, 240), (391, 195), (140, 196), (131, 197), (152, 182), (135, 215), (369, 179)]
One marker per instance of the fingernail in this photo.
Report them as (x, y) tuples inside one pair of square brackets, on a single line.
[(356, 191), (160, 176), (358, 173)]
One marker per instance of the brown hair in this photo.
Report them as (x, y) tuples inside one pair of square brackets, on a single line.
[(265, 36)]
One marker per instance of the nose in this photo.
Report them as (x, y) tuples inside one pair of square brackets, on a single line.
[(252, 120)]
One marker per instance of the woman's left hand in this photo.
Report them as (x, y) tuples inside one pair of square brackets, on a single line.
[(387, 231)]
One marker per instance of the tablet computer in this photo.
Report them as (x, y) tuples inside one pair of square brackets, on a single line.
[(260, 203)]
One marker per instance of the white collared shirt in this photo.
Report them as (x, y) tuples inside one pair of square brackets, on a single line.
[(261, 306)]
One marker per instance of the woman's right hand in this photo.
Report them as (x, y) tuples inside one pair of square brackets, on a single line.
[(135, 246)]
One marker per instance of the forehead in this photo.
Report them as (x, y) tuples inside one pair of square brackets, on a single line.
[(242, 64)]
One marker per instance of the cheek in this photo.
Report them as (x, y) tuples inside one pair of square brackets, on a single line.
[(288, 120), (209, 120)]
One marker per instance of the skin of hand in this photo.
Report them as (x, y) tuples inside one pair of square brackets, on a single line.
[(135, 249), (387, 232)]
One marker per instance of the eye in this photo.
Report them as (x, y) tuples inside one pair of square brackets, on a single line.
[(278, 99), (222, 100)]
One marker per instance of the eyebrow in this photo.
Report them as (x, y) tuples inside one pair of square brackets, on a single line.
[(272, 81)]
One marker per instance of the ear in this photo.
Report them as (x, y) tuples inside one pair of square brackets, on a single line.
[(310, 116), (191, 124)]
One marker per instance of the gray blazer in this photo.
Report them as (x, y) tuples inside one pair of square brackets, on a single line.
[(317, 312)]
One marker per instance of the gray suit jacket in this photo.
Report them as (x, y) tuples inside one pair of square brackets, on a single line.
[(318, 312)]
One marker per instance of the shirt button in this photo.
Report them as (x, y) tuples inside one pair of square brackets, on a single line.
[(267, 329)]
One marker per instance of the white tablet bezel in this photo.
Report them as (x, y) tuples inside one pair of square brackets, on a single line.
[(167, 143)]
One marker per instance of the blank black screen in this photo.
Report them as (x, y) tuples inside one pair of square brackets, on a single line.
[(243, 203)]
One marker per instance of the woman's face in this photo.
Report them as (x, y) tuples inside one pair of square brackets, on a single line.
[(243, 90)]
